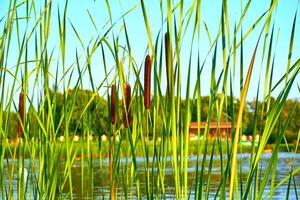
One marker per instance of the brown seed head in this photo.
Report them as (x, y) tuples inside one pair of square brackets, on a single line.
[(169, 62), (127, 94), (147, 82), (113, 104), (21, 113)]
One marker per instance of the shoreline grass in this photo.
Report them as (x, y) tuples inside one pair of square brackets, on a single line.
[(104, 151)]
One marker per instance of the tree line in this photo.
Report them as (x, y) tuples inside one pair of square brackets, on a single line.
[(89, 113)]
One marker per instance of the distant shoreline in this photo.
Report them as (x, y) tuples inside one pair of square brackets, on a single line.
[(95, 151)]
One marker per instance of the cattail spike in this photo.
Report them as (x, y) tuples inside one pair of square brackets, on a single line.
[(169, 62), (147, 82), (127, 94), (113, 104), (21, 113)]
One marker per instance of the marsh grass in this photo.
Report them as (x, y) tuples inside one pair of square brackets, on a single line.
[(48, 178)]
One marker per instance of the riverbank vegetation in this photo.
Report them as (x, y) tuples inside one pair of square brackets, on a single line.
[(102, 151), (98, 115)]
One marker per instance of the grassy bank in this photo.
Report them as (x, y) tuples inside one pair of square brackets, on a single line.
[(102, 151)]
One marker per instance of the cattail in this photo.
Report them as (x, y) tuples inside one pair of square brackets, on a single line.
[(127, 94), (113, 121), (147, 82), (113, 104), (21, 113), (168, 52)]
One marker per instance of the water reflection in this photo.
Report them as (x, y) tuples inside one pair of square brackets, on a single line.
[(95, 184)]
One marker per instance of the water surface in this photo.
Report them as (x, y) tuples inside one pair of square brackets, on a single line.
[(96, 184)]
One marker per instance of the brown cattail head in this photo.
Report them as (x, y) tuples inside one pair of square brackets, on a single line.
[(127, 94), (113, 104), (147, 82), (169, 62), (21, 113)]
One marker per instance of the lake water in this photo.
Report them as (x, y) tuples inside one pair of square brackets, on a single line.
[(97, 186)]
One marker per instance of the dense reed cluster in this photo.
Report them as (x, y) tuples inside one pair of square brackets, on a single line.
[(86, 137)]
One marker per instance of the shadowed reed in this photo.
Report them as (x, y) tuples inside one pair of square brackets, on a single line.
[(169, 62), (147, 82), (113, 121), (113, 104), (21, 113), (127, 115)]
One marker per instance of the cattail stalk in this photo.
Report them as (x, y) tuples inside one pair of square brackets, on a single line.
[(113, 104), (169, 62), (21, 113), (127, 116), (147, 82), (112, 192), (113, 121)]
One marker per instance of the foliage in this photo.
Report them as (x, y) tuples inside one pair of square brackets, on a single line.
[(96, 117)]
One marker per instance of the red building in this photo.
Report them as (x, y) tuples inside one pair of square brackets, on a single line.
[(224, 129)]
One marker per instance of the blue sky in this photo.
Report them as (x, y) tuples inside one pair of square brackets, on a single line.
[(77, 14)]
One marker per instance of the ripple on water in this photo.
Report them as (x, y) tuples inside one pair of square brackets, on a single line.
[(99, 176)]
